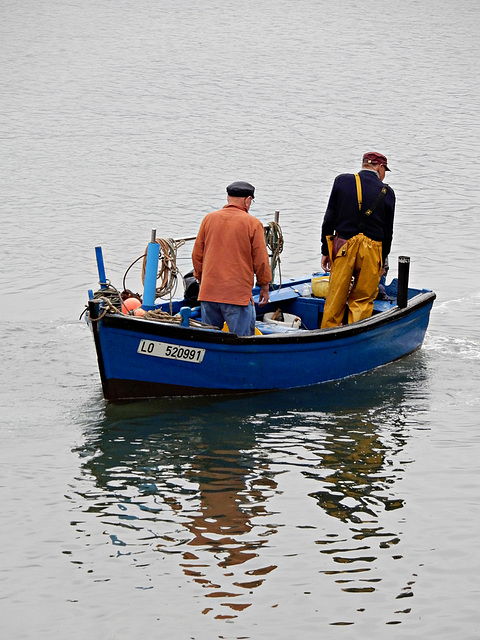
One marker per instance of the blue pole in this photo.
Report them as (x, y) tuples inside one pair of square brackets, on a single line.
[(101, 268), (151, 269)]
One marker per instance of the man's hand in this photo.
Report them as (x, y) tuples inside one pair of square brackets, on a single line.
[(263, 296), (326, 263)]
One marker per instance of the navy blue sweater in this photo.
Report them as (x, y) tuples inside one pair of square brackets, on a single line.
[(343, 217)]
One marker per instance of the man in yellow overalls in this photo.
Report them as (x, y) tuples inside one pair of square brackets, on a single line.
[(357, 233)]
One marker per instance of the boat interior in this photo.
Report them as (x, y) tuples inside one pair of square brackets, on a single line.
[(292, 308)]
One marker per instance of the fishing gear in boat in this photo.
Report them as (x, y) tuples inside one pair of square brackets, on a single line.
[(168, 272), (274, 242), (164, 281), (111, 296), (129, 303)]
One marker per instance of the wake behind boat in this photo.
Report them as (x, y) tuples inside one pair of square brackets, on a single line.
[(162, 349)]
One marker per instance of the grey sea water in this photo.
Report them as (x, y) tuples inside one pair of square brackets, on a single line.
[(349, 510)]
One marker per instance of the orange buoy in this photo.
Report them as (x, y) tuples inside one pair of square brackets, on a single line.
[(139, 312), (130, 304)]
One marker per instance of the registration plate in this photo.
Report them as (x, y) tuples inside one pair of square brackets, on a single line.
[(171, 351)]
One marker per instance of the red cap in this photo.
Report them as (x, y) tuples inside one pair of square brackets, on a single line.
[(372, 157)]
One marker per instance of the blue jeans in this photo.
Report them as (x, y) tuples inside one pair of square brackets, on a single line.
[(240, 319)]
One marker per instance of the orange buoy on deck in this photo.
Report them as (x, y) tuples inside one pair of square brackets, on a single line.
[(139, 312), (130, 304)]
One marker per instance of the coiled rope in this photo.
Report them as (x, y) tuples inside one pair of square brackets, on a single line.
[(111, 296), (163, 316), (168, 273), (274, 242)]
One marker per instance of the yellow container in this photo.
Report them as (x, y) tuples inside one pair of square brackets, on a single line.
[(227, 330), (320, 286)]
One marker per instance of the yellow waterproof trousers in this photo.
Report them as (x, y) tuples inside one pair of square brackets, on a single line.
[(360, 258)]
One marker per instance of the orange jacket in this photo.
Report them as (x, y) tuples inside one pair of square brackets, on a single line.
[(229, 250)]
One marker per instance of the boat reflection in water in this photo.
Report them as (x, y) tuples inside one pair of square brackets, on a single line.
[(213, 485)]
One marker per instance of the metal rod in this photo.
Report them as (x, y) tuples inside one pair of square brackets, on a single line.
[(403, 273), (153, 235), (277, 214), (185, 239), (189, 238)]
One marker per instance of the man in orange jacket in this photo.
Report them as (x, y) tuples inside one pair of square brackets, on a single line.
[(229, 251)]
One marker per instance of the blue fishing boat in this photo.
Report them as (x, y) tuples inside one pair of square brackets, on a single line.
[(166, 351)]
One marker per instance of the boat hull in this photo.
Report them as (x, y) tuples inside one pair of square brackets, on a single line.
[(139, 358)]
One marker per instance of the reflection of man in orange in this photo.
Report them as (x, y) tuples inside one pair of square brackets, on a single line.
[(228, 502)]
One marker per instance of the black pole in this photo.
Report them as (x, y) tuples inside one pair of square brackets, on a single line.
[(403, 272), (94, 311)]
